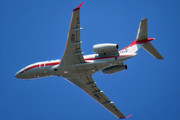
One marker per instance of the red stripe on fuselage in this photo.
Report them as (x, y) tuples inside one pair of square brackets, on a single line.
[(49, 64), (34, 66), (56, 63)]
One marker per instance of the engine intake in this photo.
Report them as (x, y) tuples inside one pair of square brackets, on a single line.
[(114, 69), (105, 48)]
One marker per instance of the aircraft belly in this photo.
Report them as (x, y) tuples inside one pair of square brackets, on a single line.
[(35, 73), (80, 69)]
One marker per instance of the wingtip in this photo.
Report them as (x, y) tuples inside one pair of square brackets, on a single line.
[(126, 117), (78, 7), (144, 19)]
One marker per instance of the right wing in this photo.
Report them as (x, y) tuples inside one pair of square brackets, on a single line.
[(87, 84)]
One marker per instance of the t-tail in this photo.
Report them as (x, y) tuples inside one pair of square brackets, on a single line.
[(143, 41)]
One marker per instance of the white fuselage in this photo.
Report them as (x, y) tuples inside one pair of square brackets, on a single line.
[(93, 64)]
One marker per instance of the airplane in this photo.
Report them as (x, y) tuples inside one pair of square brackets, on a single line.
[(78, 69)]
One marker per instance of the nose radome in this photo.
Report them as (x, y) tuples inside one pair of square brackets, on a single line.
[(17, 75)]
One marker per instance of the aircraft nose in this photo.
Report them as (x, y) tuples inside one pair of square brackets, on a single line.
[(17, 75)]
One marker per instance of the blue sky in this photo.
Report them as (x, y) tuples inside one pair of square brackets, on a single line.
[(36, 30)]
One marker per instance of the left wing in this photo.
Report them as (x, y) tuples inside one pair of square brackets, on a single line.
[(72, 54), (87, 84)]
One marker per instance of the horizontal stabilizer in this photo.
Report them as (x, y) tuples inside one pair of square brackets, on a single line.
[(149, 48)]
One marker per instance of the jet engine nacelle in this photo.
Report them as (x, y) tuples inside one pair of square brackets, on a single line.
[(114, 69), (104, 48)]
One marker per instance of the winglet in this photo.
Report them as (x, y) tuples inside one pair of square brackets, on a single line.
[(126, 117), (78, 7)]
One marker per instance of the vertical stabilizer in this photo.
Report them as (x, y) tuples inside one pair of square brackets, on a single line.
[(142, 35), (143, 41), (142, 31)]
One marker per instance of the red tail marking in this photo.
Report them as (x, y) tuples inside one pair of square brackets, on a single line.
[(138, 42)]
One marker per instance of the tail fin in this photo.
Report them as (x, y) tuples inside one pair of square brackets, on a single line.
[(143, 41), (142, 35), (142, 31)]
